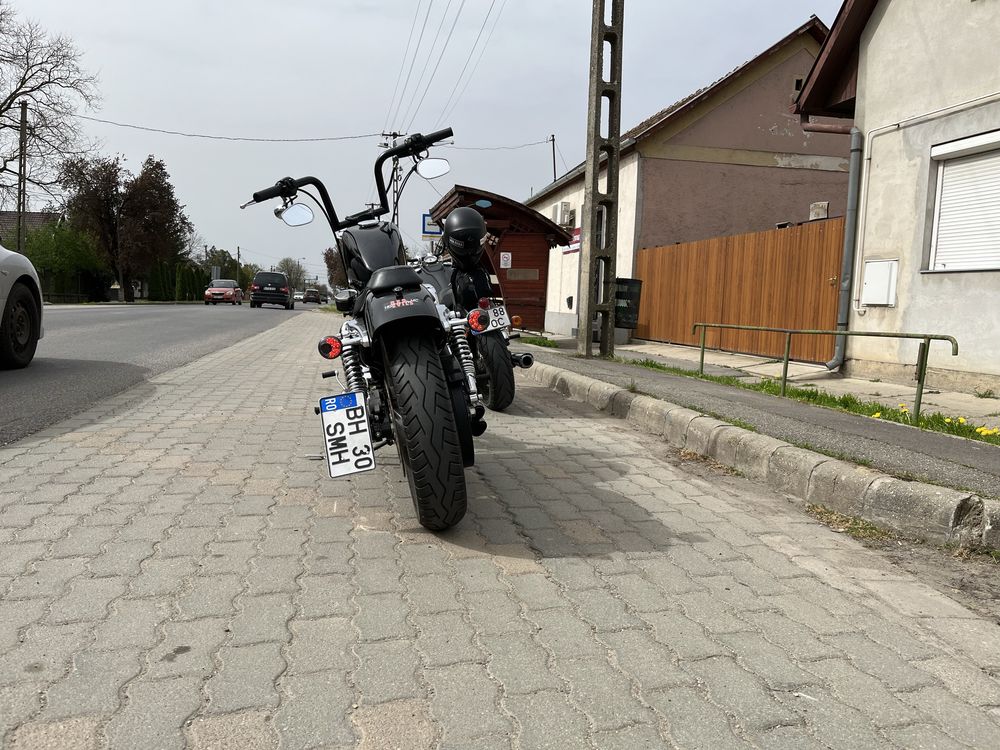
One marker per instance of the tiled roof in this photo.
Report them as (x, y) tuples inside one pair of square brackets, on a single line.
[(32, 220)]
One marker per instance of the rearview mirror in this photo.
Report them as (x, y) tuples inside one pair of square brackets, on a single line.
[(295, 215), (431, 168)]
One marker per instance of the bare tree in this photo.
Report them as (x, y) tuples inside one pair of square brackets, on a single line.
[(295, 272), (45, 71), (335, 272)]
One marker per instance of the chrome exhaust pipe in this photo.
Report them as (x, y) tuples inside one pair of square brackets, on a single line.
[(523, 361)]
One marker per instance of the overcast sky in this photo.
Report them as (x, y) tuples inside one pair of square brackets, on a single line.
[(321, 68)]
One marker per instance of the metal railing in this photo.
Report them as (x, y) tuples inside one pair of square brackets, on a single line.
[(925, 342)]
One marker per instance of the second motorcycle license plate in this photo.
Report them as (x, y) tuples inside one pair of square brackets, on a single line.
[(346, 434), (498, 318)]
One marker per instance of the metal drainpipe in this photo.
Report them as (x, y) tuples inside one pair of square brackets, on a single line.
[(850, 245)]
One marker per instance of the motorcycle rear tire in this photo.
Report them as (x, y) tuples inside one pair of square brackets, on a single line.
[(425, 430), (496, 372)]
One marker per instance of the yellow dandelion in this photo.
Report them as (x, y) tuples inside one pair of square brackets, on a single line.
[(961, 420), (877, 414), (902, 406), (947, 420)]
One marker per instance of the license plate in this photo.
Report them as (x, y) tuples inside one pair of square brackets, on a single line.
[(498, 318), (269, 288), (346, 434)]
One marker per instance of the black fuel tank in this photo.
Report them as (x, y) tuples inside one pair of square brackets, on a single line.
[(369, 248)]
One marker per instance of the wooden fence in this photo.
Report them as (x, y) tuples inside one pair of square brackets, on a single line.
[(785, 278)]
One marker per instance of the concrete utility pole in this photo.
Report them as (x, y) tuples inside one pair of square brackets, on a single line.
[(22, 180), (598, 249)]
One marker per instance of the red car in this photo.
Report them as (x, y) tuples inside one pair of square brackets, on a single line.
[(223, 290)]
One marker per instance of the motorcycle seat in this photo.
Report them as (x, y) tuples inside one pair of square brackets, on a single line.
[(388, 278)]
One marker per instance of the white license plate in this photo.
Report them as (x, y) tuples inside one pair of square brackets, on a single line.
[(498, 318), (269, 289), (346, 434)]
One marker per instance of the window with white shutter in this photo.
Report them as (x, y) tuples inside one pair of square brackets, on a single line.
[(966, 232)]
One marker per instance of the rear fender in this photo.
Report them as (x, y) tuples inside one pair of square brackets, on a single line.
[(415, 306)]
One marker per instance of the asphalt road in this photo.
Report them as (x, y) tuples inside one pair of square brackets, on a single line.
[(90, 352)]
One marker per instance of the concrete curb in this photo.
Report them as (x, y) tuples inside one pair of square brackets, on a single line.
[(913, 509)]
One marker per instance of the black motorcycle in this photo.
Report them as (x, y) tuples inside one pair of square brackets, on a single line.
[(463, 284), (410, 377)]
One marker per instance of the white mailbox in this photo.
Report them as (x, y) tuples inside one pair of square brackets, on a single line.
[(878, 288)]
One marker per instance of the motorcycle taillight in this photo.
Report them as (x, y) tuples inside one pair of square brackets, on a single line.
[(478, 321), (330, 347)]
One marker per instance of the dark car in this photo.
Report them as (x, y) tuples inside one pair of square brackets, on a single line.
[(271, 288), (311, 295)]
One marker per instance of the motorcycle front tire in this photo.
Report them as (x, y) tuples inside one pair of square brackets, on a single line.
[(496, 371), (424, 428)]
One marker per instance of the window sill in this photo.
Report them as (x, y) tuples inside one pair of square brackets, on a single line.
[(932, 272)]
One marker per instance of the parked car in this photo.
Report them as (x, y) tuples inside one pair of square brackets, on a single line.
[(223, 290), (311, 295), (21, 306), (298, 296), (271, 288)]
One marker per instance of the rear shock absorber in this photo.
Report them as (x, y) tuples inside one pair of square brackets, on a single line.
[(353, 374), (460, 345)]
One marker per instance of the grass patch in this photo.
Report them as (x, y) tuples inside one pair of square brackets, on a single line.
[(330, 309), (539, 341), (935, 421), (986, 393), (855, 527)]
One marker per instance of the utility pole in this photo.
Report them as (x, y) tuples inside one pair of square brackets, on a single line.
[(237, 265), (22, 180), (599, 233), (553, 139)]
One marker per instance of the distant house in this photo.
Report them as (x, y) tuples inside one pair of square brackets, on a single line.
[(728, 159), (32, 219), (923, 87)]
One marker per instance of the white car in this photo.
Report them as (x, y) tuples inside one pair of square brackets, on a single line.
[(21, 303), (298, 296)]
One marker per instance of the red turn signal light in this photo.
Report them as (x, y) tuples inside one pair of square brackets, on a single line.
[(330, 347), (484, 303), (478, 321)]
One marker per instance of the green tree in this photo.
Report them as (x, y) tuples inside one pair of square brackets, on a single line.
[(59, 248), (223, 259), (135, 220)]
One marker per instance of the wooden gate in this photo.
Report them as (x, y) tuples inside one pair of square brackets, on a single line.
[(786, 278)]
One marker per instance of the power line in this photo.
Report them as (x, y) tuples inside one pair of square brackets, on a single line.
[(416, 51), (228, 137), (475, 67), (563, 158), (471, 53), (420, 101), (423, 71), (497, 148), (402, 64)]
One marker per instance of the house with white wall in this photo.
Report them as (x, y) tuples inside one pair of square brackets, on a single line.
[(727, 159), (922, 84)]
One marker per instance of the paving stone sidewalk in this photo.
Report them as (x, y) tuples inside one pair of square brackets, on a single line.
[(175, 572)]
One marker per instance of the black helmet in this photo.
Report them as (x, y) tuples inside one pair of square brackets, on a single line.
[(464, 229)]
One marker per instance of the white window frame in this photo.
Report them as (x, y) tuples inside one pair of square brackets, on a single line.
[(942, 154)]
